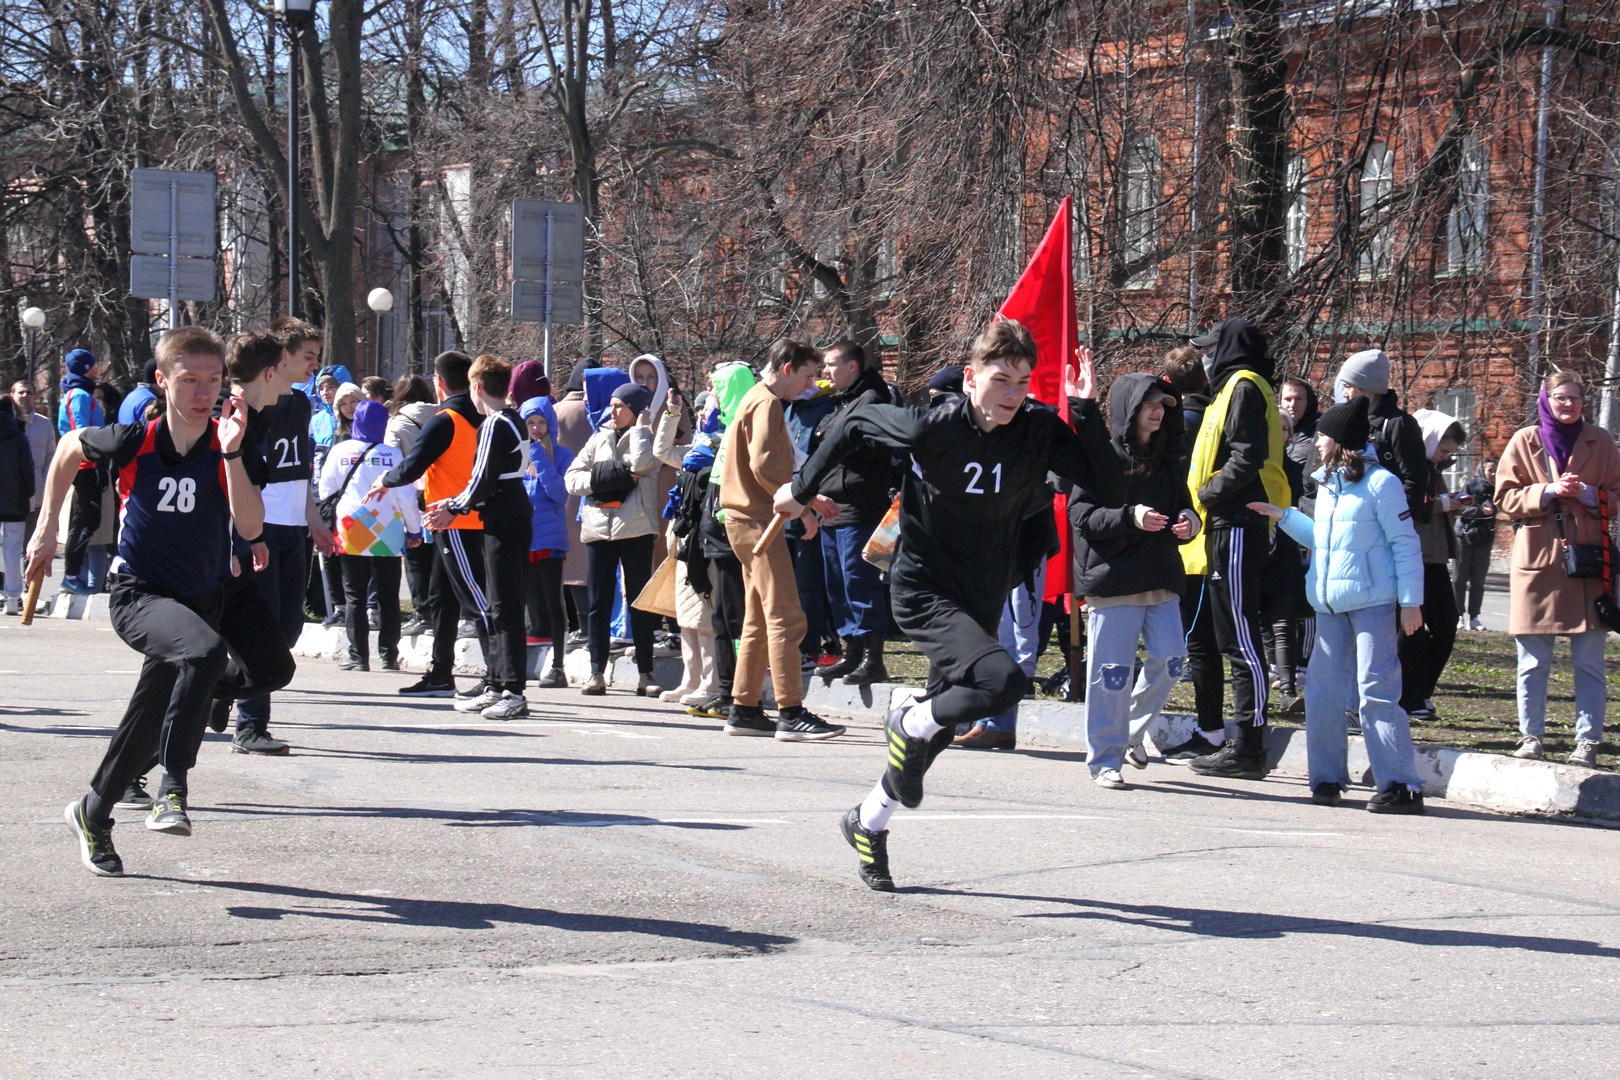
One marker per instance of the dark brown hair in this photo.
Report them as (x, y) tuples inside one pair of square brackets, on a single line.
[(786, 354), (250, 354), (1183, 368), (1347, 458), (1003, 339), (294, 333)]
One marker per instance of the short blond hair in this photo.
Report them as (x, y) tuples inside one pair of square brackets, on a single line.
[(188, 341), (491, 374), (1003, 339)]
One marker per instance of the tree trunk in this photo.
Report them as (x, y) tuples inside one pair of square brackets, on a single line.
[(1258, 69)]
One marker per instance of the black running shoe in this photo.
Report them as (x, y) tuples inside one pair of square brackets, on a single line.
[(749, 720), (1326, 794), (1396, 799), (262, 743), (798, 724), (426, 686), (478, 690), (872, 848), (135, 797), (1183, 752), (353, 663), (219, 715), (717, 707), (1231, 761), (95, 842), (908, 760), (169, 813), (554, 679)]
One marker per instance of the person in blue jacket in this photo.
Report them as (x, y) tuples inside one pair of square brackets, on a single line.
[(79, 409), (548, 460), (1365, 561)]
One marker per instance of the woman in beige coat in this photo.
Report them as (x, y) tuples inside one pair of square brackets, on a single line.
[(616, 476), (693, 614), (1551, 475)]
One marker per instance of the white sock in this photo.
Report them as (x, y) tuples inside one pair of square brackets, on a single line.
[(919, 721), (1216, 737), (877, 808)]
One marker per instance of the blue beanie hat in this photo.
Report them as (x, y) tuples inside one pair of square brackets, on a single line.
[(635, 397), (80, 361), (370, 421)]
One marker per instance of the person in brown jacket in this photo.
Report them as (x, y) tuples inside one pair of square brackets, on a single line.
[(758, 458), (1551, 482)]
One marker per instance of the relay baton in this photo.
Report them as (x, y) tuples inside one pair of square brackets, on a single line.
[(772, 531), (32, 599)]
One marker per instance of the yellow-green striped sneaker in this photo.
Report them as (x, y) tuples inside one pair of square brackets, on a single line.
[(872, 848)]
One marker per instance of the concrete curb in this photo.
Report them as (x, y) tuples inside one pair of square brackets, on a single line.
[(1493, 782)]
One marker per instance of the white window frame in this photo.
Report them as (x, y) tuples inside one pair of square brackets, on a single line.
[(1461, 402), (1140, 199), (1376, 184), (1297, 225), (1466, 236)]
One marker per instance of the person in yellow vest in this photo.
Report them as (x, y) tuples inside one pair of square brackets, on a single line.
[(1237, 459), (442, 458)]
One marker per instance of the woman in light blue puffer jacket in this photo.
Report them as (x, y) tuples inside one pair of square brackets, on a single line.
[(1365, 561)]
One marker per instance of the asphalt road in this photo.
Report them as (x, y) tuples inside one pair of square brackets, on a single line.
[(614, 888)]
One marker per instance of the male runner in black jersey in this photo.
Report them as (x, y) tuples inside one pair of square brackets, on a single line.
[(978, 458)]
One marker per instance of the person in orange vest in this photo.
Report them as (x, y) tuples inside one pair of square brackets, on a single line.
[(442, 459)]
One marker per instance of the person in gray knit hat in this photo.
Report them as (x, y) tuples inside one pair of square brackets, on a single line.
[(1397, 439)]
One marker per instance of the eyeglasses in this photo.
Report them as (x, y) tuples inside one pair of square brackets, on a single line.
[(1566, 399)]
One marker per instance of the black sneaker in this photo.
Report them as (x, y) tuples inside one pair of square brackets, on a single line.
[(427, 686), (1396, 799), (1290, 704), (717, 707), (391, 664), (872, 848), (169, 813), (1183, 752), (749, 720), (1231, 761), (135, 796), (908, 760), (219, 715), (478, 690), (799, 724), (248, 741), (554, 679), (354, 663), (1326, 794), (95, 842)]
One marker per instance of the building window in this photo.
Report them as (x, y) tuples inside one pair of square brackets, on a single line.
[(1296, 236), (1459, 402), (1141, 209), (1377, 183), (1465, 228)]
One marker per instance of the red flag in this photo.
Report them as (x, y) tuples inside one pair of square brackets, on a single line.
[(1043, 300)]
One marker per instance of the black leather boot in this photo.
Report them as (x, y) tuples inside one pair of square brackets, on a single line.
[(870, 669), (853, 651)]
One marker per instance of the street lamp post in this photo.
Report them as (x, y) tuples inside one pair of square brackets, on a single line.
[(381, 302), (295, 15), (32, 318)]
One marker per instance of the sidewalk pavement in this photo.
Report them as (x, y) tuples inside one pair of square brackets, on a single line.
[(1493, 782)]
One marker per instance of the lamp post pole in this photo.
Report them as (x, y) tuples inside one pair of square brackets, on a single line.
[(381, 302), (294, 15), (32, 319)]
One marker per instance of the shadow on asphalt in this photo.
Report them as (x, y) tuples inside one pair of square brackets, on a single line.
[(473, 915), (477, 818), (1213, 922), (484, 759)]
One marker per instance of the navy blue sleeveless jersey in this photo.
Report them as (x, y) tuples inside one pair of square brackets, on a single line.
[(175, 531)]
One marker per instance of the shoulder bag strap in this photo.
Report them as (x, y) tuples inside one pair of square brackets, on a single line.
[(355, 467)]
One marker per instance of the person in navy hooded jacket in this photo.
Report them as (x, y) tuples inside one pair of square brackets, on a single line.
[(548, 550)]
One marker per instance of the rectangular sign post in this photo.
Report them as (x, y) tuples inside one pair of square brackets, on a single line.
[(548, 265), (174, 236)]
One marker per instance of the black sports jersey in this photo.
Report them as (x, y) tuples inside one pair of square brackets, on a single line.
[(964, 504), (175, 531), (496, 489), (283, 430)]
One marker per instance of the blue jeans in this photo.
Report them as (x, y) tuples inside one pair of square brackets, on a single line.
[(855, 602), (1116, 713), (1020, 636), (1591, 689), (1357, 649)]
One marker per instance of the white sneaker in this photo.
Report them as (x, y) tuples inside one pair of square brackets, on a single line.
[(1584, 754), (1529, 748), (13, 605), (1462, 623), (1474, 623), (1108, 778), (508, 706), (1136, 757), (674, 695), (479, 703), (696, 697)]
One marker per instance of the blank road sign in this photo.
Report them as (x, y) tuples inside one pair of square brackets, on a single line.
[(149, 278), (567, 302), (529, 241), (149, 212)]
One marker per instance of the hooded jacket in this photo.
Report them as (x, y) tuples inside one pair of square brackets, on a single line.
[(660, 391), (860, 483), (731, 384), (405, 426), (1112, 556), (1245, 442), (380, 527), (1397, 441), (600, 383), (16, 472), (1436, 534), (544, 482), (573, 430), (1364, 551)]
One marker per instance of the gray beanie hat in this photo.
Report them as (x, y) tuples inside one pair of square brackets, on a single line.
[(1367, 370)]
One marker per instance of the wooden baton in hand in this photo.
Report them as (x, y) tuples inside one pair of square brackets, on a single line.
[(32, 599), (772, 531)]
